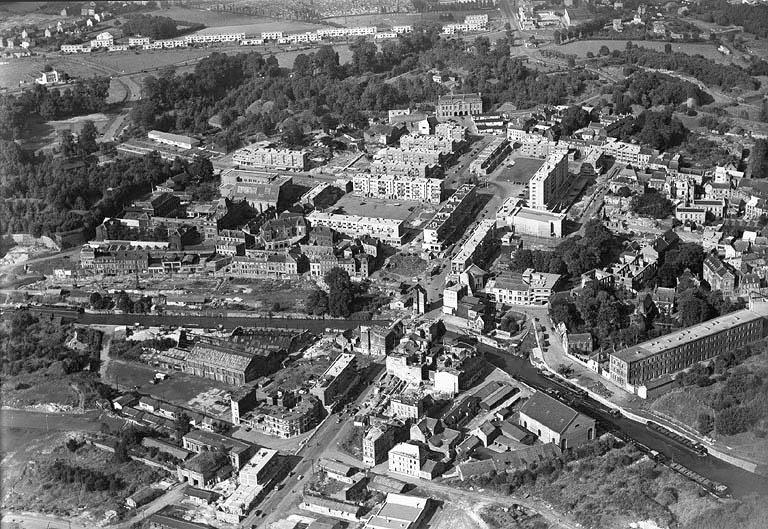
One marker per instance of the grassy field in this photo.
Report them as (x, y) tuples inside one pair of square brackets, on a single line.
[(384, 19), (580, 48)]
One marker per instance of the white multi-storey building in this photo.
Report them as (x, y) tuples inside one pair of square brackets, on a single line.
[(260, 158), (388, 230), (451, 214), (396, 187), (546, 184), (134, 42), (103, 40)]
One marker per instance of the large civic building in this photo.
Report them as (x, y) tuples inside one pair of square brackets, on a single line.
[(634, 367), (454, 105), (546, 185), (262, 190), (529, 221)]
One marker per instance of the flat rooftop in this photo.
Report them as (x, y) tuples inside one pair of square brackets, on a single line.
[(690, 334), (539, 215), (375, 207)]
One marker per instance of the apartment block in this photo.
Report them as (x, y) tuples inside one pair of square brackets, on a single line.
[(275, 159), (482, 233), (490, 157), (395, 187), (453, 213), (547, 184), (387, 230)]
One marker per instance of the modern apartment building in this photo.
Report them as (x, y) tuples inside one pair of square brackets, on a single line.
[(410, 156), (634, 367), (387, 230), (263, 158), (547, 184), (482, 233), (395, 187), (453, 213), (490, 157)]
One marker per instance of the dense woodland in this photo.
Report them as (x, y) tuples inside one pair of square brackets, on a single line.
[(156, 27), (705, 70), (43, 195), (253, 95), (754, 18), (650, 89), (84, 97), (29, 344)]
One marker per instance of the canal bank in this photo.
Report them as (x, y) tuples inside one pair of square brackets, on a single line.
[(741, 482)]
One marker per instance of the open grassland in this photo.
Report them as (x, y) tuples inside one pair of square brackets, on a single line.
[(580, 48)]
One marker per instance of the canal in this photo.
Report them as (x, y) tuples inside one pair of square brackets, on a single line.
[(740, 482), (227, 322)]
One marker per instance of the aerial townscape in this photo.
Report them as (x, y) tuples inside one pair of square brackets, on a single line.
[(384, 264)]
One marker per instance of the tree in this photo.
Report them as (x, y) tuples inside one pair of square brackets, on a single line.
[(86, 140), (123, 302), (182, 425), (652, 204), (339, 292), (68, 146), (96, 301), (202, 168), (668, 48), (121, 453), (317, 302), (604, 50), (705, 423), (363, 55), (574, 119)]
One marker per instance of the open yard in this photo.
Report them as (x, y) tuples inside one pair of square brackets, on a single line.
[(181, 389), (521, 172), (375, 207)]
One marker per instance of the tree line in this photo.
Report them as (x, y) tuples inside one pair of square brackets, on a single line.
[(651, 89), (157, 27), (42, 196), (705, 70), (89, 480)]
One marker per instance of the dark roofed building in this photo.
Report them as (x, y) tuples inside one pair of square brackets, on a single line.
[(554, 422)]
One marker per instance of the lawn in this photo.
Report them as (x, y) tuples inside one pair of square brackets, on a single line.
[(580, 48), (521, 172)]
